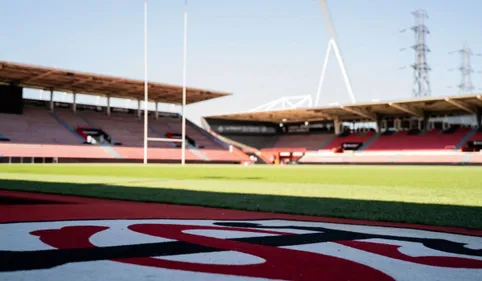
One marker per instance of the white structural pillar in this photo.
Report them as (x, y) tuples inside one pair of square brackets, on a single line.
[(157, 110), (145, 84), (378, 125), (74, 102), (426, 122), (398, 124), (138, 108), (332, 44), (108, 106), (184, 76), (51, 103), (337, 124), (384, 125)]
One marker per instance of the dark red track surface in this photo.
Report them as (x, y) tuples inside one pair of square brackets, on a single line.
[(81, 208)]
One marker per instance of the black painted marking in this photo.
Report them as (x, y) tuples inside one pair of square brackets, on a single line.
[(31, 260), (7, 200)]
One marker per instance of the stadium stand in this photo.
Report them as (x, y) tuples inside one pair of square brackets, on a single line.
[(52, 151), (388, 157), (71, 132), (421, 131), (35, 126), (350, 138), (255, 141), (202, 143), (73, 120), (477, 136), (40, 133), (410, 140), (307, 141)]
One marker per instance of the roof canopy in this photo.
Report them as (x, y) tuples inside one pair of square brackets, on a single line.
[(368, 111), (62, 80)]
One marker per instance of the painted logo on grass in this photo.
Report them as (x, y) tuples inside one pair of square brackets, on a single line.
[(232, 250)]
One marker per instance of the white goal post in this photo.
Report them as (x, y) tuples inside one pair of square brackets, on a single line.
[(147, 139)]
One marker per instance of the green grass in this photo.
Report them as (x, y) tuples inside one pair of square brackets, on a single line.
[(448, 196)]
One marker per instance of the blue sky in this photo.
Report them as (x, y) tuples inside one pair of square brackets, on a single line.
[(258, 50)]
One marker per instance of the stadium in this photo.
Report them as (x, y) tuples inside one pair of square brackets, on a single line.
[(382, 190), (405, 132)]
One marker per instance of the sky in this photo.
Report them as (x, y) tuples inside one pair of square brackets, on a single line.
[(257, 50)]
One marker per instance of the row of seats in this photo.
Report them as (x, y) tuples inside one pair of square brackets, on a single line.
[(432, 140), (35, 126), (8, 149), (256, 141), (477, 136), (393, 157), (310, 142), (402, 140), (97, 152), (350, 138), (40, 133)]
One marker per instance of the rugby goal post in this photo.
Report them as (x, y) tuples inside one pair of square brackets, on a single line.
[(147, 139)]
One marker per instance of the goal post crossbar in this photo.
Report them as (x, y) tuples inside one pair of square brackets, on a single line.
[(164, 139)]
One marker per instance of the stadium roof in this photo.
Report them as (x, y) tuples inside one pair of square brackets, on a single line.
[(47, 78), (367, 111)]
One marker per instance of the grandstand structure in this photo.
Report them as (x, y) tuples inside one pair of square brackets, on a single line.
[(37, 131), (431, 130)]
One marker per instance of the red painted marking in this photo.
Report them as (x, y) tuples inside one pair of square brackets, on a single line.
[(280, 263), (392, 251), (284, 264)]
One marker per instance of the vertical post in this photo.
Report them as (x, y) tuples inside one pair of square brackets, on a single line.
[(398, 124), (426, 121), (74, 103), (51, 104), (378, 124), (445, 123), (139, 108), (108, 106), (478, 117), (145, 83), (157, 110), (337, 125), (183, 150)]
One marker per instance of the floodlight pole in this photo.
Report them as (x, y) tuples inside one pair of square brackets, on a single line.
[(183, 149), (145, 82)]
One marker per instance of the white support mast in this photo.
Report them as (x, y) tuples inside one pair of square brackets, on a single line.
[(332, 44), (183, 150), (145, 82), (323, 70)]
